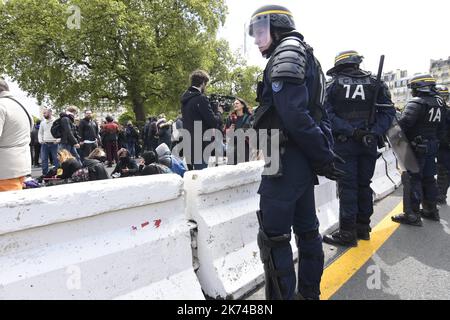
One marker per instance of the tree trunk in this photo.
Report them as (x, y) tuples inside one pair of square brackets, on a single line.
[(138, 109)]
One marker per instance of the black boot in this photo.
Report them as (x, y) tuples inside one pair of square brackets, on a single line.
[(412, 219), (442, 200), (342, 238), (430, 211), (363, 232)]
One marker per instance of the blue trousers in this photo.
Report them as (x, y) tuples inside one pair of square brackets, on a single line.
[(279, 217), (423, 184), (72, 150), (355, 193)]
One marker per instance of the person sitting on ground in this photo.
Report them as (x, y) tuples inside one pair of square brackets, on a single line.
[(150, 165), (126, 166), (94, 164), (166, 158), (68, 164)]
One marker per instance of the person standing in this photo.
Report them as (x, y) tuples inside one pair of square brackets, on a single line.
[(239, 119), (443, 163), (361, 111), (110, 132), (291, 104), (15, 127), (69, 134), (131, 137), (195, 108), (49, 144), (89, 135), (423, 122), (35, 144)]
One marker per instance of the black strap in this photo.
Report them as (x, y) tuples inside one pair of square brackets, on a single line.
[(28, 115)]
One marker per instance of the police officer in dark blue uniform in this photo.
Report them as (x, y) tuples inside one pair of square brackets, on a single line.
[(291, 101), (359, 119), (443, 164), (423, 122)]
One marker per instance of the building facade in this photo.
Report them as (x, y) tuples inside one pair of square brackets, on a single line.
[(440, 69), (397, 81)]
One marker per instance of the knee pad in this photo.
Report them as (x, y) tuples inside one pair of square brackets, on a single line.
[(266, 244), (310, 245)]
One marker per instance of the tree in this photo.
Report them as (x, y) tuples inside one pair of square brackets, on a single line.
[(137, 52)]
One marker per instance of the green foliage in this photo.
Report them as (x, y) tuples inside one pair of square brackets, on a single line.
[(125, 51), (127, 116)]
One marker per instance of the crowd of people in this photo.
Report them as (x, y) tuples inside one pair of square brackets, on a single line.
[(69, 148)]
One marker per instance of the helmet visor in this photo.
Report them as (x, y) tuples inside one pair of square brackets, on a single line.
[(259, 30)]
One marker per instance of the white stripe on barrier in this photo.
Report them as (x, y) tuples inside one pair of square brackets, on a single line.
[(126, 238)]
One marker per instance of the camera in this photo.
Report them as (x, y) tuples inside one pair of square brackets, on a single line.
[(226, 102)]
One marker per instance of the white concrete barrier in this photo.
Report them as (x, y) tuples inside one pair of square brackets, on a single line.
[(223, 202), (392, 168), (381, 185), (327, 204), (111, 239)]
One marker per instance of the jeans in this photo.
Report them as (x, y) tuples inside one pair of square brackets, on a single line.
[(131, 148), (46, 149)]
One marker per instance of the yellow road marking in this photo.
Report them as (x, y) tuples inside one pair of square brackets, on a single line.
[(341, 270)]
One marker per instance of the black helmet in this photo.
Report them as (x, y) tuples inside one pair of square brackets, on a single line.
[(422, 83), (443, 92), (350, 57), (279, 17)]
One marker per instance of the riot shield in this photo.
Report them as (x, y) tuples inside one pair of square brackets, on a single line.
[(402, 149)]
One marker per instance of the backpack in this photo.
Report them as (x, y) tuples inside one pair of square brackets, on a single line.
[(81, 175), (56, 130)]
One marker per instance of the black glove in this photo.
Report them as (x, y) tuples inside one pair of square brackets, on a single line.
[(330, 171)]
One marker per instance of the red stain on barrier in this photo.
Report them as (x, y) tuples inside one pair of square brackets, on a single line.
[(157, 223), (145, 224)]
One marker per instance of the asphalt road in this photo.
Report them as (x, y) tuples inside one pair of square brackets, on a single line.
[(411, 263)]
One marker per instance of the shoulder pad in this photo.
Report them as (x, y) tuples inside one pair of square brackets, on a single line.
[(289, 61), (417, 100)]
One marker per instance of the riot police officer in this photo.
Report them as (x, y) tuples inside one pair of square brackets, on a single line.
[(361, 111), (422, 121), (443, 164), (291, 101)]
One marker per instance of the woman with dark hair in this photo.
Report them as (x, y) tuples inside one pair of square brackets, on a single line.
[(241, 119)]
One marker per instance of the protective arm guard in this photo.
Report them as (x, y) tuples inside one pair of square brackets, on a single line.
[(410, 115), (289, 62)]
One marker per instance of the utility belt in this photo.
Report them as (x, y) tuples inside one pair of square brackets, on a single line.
[(341, 138), (420, 145)]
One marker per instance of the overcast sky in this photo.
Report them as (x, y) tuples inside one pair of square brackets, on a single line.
[(409, 33)]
